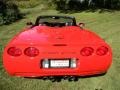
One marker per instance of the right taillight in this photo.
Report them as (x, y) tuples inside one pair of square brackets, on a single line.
[(102, 51), (86, 51), (13, 51)]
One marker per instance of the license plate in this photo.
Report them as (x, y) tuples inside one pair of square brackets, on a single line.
[(59, 63)]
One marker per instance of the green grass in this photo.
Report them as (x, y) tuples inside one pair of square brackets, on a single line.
[(106, 25)]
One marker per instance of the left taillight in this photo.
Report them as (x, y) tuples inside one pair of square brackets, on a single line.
[(31, 51), (14, 51)]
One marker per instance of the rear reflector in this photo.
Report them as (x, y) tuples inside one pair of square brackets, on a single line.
[(31, 51), (102, 51), (87, 51), (13, 51)]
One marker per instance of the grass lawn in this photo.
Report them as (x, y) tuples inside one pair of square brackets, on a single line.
[(106, 24)]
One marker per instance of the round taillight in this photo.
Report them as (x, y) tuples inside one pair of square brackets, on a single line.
[(102, 51), (87, 51), (31, 51), (13, 51)]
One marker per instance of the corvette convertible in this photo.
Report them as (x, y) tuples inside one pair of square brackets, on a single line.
[(56, 46)]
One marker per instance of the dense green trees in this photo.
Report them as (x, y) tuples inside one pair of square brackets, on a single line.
[(86, 4), (9, 12)]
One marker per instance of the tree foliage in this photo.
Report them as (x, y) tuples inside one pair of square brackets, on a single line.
[(9, 12), (86, 4)]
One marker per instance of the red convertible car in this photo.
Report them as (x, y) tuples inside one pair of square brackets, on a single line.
[(56, 46)]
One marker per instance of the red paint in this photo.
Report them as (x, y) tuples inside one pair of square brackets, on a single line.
[(58, 43)]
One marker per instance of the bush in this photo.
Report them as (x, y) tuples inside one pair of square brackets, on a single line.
[(9, 12)]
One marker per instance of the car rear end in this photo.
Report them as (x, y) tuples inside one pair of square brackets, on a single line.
[(81, 55), (35, 61)]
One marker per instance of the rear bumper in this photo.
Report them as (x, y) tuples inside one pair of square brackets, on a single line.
[(31, 67), (34, 70), (59, 73)]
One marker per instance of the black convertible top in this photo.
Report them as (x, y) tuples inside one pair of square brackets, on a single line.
[(42, 16), (55, 16)]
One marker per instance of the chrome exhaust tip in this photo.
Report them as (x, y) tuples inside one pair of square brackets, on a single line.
[(45, 78), (73, 78), (51, 78)]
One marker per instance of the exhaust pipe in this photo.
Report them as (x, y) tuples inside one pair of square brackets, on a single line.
[(65, 77), (73, 78), (45, 78), (51, 78)]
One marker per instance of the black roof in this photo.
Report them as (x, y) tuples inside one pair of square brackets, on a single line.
[(63, 16), (55, 16)]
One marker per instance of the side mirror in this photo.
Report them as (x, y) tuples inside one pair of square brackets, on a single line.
[(82, 25), (29, 23)]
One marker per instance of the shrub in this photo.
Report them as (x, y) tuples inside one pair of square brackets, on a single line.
[(9, 12)]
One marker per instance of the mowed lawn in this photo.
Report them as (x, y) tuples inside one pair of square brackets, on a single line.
[(106, 25)]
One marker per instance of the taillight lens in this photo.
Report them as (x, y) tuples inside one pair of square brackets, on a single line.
[(87, 51), (13, 51), (102, 51), (31, 51)]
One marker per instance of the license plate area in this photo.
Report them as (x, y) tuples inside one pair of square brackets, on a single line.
[(60, 63)]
